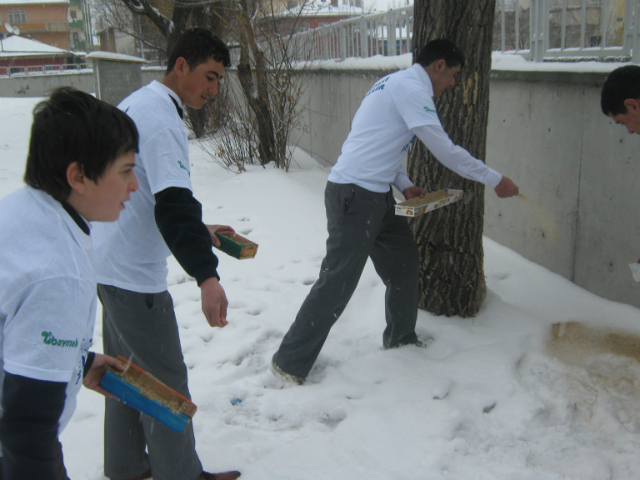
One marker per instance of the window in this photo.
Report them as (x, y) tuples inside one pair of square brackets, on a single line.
[(74, 15), (76, 38), (17, 17)]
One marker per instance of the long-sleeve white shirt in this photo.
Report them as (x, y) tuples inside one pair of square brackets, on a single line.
[(398, 109)]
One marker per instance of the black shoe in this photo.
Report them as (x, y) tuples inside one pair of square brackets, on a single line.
[(219, 476)]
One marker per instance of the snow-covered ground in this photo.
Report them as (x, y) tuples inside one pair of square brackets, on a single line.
[(485, 400)]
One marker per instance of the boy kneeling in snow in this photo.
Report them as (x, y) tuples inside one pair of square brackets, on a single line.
[(79, 170)]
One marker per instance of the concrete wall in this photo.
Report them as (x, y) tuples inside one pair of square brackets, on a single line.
[(40, 85), (535, 136), (575, 167), (115, 81), (330, 101)]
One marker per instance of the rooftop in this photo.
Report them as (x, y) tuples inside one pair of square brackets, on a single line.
[(32, 2), (19, 46)]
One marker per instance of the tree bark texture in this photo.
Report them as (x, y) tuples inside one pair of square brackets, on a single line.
[(452, 278), (254, 83)]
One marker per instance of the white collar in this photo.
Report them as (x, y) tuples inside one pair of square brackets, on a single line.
[(424, 76), (157, 85)]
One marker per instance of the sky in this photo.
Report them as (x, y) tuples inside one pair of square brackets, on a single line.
[(532, 388)]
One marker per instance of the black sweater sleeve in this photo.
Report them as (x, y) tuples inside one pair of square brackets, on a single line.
[(29, 427), (91, 356), (179, 218)]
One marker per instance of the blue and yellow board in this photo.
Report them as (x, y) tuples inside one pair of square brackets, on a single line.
[(145, 393)]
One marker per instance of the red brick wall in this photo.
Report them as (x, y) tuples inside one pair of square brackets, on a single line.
[(37, 18)]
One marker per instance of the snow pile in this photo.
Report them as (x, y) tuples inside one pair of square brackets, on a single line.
[(499, 62)]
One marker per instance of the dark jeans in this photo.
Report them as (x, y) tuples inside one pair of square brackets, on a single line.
[(61, 471), (361, 225)]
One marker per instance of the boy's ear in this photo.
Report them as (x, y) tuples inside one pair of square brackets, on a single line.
[(75, 177), (181, 67), (633, 106)]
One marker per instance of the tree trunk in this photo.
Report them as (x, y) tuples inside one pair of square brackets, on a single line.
[(450, 239), (255, 90)]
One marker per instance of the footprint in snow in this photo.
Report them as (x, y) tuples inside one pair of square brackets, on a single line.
[(333, 419)]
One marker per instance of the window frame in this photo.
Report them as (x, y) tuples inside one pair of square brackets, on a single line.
[(21, 15)]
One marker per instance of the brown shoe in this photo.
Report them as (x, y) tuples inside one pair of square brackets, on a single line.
[(142, 476), (219, 476)]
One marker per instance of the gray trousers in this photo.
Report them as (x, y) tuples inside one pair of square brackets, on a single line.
[(142, 327), (361, 224)]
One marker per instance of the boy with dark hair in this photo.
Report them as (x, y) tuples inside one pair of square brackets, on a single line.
[(164, 218), (620, 97), (198, 46), (360, 206), (441, 49), (79, 170)]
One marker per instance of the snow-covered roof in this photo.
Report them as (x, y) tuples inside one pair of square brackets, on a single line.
[(32, 2), (16, 46), (319, 8), (114, 57)]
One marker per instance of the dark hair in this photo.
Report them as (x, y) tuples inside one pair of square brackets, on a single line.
[(441, 49), (73, 126), (621, 84), (196, 46)]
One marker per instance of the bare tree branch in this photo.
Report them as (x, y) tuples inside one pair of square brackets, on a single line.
[(143, 7)]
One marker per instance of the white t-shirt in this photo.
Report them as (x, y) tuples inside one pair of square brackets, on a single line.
[(47, 293), (389, 119), (131, 253)]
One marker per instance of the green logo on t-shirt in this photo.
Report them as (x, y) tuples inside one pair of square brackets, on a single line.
[(427, 109), (49, 339), (183, 167)]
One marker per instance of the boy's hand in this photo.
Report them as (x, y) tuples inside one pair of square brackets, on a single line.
[(214, 302), (98, 368), (506, 188), (218, 228), (413, 192)]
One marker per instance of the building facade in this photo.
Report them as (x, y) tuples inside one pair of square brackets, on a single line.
[(79, 18), (64, 24)]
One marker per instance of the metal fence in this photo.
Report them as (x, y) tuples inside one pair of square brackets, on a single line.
[(535, 29), (47, 69), (539, 29), (387, 34)]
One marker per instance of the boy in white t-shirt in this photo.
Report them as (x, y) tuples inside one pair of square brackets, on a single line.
[(360, 206), (79, 169), (164, 218)]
